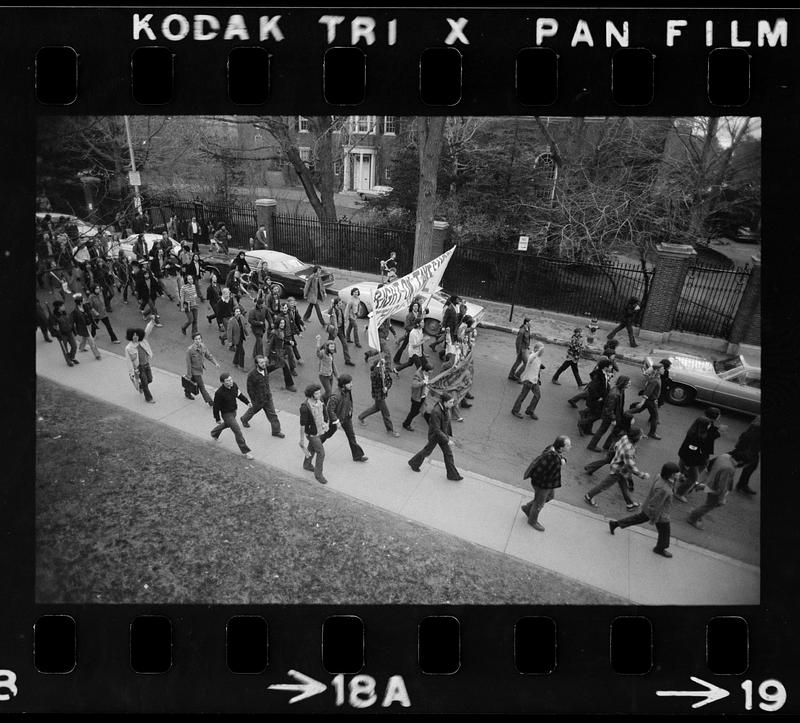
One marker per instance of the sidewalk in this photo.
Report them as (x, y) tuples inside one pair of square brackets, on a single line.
[(548, 326), (577, 543)]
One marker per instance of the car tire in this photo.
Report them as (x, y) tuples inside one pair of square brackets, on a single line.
[(680, 395), (431, 326), (277, 290)]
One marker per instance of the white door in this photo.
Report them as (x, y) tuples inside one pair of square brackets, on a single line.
[(362, 171)]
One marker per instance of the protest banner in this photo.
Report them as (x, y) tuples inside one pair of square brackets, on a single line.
[(398, 295)]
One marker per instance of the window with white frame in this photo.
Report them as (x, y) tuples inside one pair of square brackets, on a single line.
[(362, 123), (389, 125), (305, 154), (302, 124)]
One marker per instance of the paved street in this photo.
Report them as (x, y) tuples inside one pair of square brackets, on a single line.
[(495, 444)]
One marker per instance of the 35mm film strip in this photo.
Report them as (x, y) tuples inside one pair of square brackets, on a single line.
[(149, 569)]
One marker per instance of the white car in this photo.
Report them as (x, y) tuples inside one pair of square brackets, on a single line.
[(126, 244), (730, 382), (374, 192), (85, 228), (433, 319)]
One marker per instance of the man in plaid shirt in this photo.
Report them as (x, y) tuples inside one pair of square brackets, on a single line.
[(381, 380), (574, 351), (623, 468)]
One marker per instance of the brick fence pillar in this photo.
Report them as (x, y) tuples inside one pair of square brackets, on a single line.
[(265, 210), (440, 239), (747, 323), (665, 292)]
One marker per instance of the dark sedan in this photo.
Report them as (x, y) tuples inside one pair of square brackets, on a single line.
[(288, 274)]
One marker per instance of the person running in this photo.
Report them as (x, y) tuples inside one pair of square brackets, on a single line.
[(340, 413), (599, 368), (261, 397), (574, 351), (544, 473), (440, 432), (277, 351), (612, 411), (139, 354), (224, 408), (623, 468), (656, 508), (696, 449), (187, 297), (237, 333), (351, 310), (523, 345), (748, 448), (651, 393), (628, 314), (314, 423), (381, 382), (63, 329), (621, 428), (97, 308), (85, 327), (196, 355), (419, 394), (416, 352), (531, 382), (326, 351), (718, 481), (337, 321), (314, 293)]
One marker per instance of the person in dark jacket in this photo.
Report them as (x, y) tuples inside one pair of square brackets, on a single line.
[(147, 290), (277, 352), (224, 312), (523, 345), (261, 397), (314, 423), (214, 294), (97, 308), (696, 449), (340, 412), (337, 321), (237, 333), (628, 315), (613, 409), (240, 263), (413, 316), (748, 448), (63, 329), (596, 394), (43, 320), (140, 248), (651, 394), (259, 323), (544, 473), (196, 355), (656, 508), (225, 407), (666, 382), (195, 269), (449, 321), (574, 353), (381, 381), (85, 327), (440, 432)]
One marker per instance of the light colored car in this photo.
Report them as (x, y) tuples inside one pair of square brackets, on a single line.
[(86, 229), (433, 319), (374, 192), (729, 382), (126, 244)]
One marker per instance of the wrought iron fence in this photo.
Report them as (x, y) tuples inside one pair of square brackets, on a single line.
[(709, 300), (586, 289), (344, 245)]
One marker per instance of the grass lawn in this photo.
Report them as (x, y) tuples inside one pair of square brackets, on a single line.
[(131, 512)]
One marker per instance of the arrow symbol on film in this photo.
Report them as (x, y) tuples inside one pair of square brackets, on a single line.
[(711, 694), (307, 686)]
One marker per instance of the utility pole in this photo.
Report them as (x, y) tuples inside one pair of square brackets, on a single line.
[(133, 176)]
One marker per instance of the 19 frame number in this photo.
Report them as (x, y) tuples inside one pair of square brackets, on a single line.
[(771, 692)]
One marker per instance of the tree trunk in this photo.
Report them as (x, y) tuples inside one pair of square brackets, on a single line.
[(323, 135), (431, 136)]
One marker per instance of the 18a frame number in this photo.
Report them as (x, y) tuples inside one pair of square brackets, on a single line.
[(771, 692)]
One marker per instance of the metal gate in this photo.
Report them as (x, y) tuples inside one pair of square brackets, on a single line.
[(709, 300)]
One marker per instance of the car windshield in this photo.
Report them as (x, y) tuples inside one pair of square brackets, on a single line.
[(286, 263), (726, 364)]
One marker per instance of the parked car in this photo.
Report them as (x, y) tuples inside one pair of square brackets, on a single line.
[(374, 192), (729, 382), (433, 320), (86, 229), (126, 244), (288, 273)]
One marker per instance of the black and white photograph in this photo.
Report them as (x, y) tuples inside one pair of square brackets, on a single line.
[(418, 360)]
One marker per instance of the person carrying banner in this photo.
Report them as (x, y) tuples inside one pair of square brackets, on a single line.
[(440, 433)]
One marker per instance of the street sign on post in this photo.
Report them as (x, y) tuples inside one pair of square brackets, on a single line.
[(521, 246), (134, 178)]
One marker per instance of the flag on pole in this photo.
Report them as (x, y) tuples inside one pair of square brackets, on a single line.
[(398, 295)]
